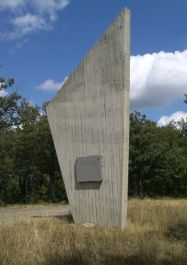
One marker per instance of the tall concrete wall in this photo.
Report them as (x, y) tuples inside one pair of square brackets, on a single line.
[(89, 116)]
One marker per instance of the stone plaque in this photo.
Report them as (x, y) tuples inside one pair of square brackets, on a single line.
[(88, 169)]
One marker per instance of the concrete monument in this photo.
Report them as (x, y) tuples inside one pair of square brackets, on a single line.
[(89, 121)]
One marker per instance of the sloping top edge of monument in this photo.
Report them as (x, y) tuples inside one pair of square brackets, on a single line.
[(125, 12)]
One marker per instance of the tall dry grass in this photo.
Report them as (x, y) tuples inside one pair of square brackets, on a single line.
[(156, 234)]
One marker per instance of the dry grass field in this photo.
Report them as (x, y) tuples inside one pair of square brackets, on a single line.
[(156, 234)]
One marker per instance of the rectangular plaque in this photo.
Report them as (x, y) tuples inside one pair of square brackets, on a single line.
[(88, 169)]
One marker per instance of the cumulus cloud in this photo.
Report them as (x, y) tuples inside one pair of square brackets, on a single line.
[(27, 23), (158, 79), (29, 16), (176, 116), (51, 85)]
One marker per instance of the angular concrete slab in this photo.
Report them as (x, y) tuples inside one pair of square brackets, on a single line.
[(89, 117)]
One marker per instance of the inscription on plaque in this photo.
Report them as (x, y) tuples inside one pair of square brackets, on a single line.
[(88, 169)]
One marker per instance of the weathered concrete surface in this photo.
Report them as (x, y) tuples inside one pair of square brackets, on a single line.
[(90, 116), (10, 214)]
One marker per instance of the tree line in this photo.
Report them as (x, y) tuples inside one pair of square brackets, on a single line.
[(29, 169)]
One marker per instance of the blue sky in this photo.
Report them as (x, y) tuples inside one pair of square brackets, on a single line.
[(42, 41)]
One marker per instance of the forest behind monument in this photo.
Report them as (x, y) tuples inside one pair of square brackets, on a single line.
[(29, 170)]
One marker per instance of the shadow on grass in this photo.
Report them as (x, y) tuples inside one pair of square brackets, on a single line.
[(83, 258), (141, 258), (70, 251), (68, 217), (178, 231)]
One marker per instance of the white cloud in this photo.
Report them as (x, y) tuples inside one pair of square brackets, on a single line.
[(158, 79), (176, 116), (51, 85), (28, 23), (29, 16), (4, 4), (3, 93), (50, 6), (41, 5)]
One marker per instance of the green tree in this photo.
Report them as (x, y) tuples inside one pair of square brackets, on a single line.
[(158, 160), (139, 163), (47, 159), (8, 120), (29, 170)]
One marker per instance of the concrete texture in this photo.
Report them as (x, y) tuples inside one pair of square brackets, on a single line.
[(89, 116)]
